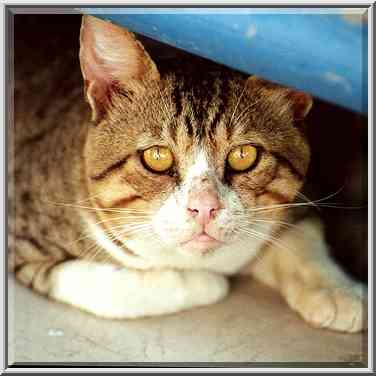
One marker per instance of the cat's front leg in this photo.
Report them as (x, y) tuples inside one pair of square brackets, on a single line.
[(312, 284), (108, 291)]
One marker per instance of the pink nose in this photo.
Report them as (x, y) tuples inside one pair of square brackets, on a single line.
[(203, 206)]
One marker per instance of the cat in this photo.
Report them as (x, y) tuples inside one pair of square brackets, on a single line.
[(147, 198)]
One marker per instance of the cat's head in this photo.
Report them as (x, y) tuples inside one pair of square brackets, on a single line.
[(187, 160)]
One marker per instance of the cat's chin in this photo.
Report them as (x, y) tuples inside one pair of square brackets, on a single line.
[(202, 243)]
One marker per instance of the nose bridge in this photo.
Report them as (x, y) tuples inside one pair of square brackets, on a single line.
[(203, 190), (204, 185), (199, 169), (204, 182)]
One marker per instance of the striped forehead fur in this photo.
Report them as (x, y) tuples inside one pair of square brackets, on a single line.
[(192, 106)]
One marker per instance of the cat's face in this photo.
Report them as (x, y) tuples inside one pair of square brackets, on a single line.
[(188, 161)]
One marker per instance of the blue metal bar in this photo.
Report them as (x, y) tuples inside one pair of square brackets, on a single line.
[(322, 53)]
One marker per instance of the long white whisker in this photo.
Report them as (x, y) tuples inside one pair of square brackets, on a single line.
[(133, 217), (87, 234), (129, 227), (265, 237), (329, 196), (280, 223), (125, 210), (304, 197)]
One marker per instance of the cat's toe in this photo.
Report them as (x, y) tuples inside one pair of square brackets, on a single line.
[(317, 307), (335, 309), (351, 312)]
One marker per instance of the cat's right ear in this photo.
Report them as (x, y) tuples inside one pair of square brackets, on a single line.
[(111, 59), (298, 103)]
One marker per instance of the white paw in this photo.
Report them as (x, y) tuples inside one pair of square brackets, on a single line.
[(109, 292), (205, 287), (337, 309)]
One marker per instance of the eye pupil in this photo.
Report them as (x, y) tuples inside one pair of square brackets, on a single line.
[(157, 154), (242, 154)]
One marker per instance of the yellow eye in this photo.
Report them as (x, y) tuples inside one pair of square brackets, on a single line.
[(242, 157), (158, 158)]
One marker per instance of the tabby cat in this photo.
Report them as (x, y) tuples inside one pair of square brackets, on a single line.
[(170, 181)]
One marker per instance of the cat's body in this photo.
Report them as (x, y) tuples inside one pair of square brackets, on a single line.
[(75, 184)]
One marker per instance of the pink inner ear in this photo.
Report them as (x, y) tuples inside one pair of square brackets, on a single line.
[(94, 69)]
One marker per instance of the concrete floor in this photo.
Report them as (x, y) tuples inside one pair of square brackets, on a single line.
[(251, 326)]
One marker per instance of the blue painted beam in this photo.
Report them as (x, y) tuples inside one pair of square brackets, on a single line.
[(322, 53)]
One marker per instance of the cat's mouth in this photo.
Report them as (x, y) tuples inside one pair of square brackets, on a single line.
[(202, 241)]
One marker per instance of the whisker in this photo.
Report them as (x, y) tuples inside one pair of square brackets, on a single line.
[(87, 234), (278, 206), (265, 237), (86, 250), (280, 223), (304, 197), (315, 203), (302, 204), (125, 210), (128, 228), (116, 235), (337, 206), (134, 219), (330, 196)]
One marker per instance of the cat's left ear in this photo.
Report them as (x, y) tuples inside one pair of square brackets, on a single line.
[(298, 102), (111, 58)]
